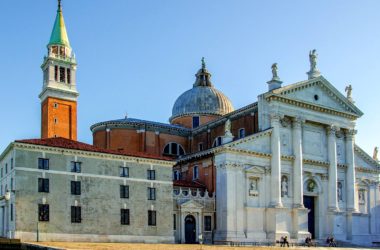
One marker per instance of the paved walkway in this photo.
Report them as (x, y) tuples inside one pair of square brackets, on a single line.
[(131, 246)]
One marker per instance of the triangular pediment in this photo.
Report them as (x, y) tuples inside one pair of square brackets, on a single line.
[(255, 169), (318, 92), (191, 204), (364, 162)]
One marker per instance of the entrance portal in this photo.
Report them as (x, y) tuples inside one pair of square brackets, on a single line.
[(309, 203), (190, 232)]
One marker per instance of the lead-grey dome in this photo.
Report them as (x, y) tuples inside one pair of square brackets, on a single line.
[(202, 99)]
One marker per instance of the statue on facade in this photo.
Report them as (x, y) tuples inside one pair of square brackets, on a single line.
[(375, 153), (253, 191), (314, 72), (348, 90), (227, 128), (313, 59), (340, 194), (284, 186), (274, 71), (361, 196)]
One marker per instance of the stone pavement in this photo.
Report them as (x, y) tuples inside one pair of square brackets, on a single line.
[(132, 246)]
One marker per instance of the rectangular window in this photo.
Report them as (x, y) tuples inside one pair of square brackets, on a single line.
[(43, 212), (195, 172), (12, 184), (124, 191), (151, 193), (124, 171), (151, 174), (124, 216), (1, 172), (207, 223), (62, 75), (174, 222), (6, 168), (11, 212), (76, 166), (241, 133), (43, 185), (11, 163), (43, 163), (76, 214), (56, 73), (151, 218), (200, 146), (75, 187), (68, 76), (195, 121)]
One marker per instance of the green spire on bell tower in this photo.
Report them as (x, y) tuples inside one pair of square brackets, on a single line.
[(59, 33)]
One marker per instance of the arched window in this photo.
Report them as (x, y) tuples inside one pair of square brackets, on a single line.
[(173, 149), (217, 141)]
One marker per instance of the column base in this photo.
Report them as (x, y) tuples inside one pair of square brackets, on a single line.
[(230, 236), (276, 205), (298, 206), (333, 209)]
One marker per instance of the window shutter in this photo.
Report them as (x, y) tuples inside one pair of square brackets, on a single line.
[(78, 191), (72, 214), (72, 187), (40, 183)]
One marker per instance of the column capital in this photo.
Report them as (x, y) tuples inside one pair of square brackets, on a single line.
[(298, 121), (275, 117), (350, 133), (332, 129)]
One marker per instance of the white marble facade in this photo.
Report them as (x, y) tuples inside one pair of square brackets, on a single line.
[(306, 149)]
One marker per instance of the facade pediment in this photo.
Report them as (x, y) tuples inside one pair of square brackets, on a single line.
[(191, 204), (318, 94), (255, 169), (364, 162)]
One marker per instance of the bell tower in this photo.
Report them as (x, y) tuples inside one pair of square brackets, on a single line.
[(59, 93)]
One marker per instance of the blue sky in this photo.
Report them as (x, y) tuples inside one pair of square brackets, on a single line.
[(137, 57)]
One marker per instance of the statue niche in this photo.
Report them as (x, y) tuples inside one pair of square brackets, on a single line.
[(253, 187)]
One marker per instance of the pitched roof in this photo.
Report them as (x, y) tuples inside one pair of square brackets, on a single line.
[(185, 183), (60, 142)]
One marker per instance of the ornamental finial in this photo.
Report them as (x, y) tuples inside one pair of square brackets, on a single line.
[(203, 63), (59, 5)]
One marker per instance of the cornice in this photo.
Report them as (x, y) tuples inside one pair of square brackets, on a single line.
[(18, 145), (154, 127), (232, 116), (366, 157), (250, 137), (311, 106)]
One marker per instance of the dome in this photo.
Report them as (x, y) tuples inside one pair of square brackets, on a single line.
[(202, 99)]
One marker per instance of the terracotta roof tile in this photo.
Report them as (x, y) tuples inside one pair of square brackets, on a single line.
[(60, 142)]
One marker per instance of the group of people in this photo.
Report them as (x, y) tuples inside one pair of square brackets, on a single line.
[(284, 241), (308, 241), (331, 241)]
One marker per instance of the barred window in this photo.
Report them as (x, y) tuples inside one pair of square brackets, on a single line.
[(62, 75), (43, 185), (174, 222), (124, 216), (151, 218), (76, 214), (151, 193), (43, 212), (76, 166), (124, 191), (124, 171), (75, 187), (43, 163), (151, 174), (68, 76)]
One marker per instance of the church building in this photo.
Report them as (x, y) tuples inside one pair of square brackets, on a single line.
[(284, 165)]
